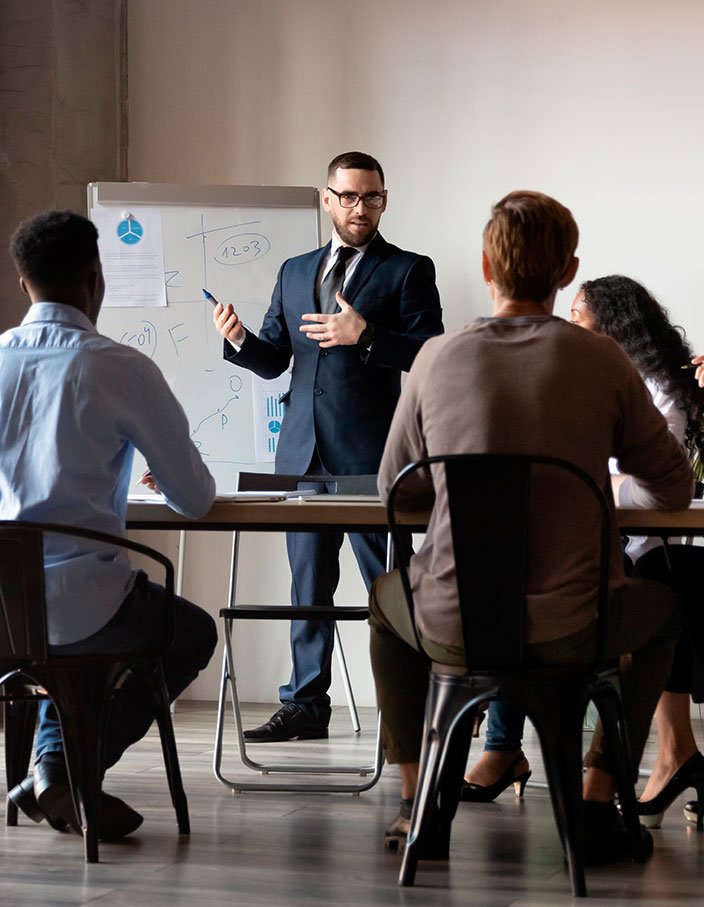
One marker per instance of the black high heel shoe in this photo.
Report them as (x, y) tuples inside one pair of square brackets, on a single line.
[(478, 793), (691, 774), (435, 847)]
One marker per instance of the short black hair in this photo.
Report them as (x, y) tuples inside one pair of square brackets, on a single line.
[(54, 247), (355, 160)]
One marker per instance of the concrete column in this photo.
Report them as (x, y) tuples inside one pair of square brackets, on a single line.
[(63, 113)]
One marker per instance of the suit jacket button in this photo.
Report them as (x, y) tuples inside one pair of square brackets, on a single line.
[(318, 391)]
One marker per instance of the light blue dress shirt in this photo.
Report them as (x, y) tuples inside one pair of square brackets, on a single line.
[(74, 405)]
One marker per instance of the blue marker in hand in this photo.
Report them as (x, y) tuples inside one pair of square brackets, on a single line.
[(211, 299)]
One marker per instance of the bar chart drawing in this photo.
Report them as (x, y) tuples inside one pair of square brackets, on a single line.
[(268, 414)]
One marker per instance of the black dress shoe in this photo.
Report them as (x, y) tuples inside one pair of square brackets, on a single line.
[(289, 723), (22, 795), (53, 799)]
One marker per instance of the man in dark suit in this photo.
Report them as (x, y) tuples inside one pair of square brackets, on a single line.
[(353, 315)]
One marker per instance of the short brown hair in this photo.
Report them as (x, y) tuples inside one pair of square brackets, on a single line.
[(530, 241), (354, 160)]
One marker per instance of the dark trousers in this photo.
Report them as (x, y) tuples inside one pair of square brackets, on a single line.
[(641, 620), (687, 675), (315, 572), (314, 559), (139, 621)]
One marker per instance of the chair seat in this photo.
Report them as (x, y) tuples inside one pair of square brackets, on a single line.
[(281, 612)]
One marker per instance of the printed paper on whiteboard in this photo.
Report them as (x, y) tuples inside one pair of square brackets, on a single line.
[(268, 415), (131, 246)]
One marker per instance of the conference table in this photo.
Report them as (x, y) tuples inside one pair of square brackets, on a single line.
[(362, 515), (346, 513), (351, 513)]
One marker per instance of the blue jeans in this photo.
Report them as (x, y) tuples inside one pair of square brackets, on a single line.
[(139, 620), (504, 727)]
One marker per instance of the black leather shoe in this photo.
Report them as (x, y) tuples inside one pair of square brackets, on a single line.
[(22, 795), (289, 723), (53, 799)]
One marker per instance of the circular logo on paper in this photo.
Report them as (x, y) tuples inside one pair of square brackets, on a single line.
[(274, 426), (129, 231)]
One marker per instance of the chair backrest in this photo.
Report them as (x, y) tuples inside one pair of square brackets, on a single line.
[(23, 619), (489, 499), (23, 625), (264, 481)]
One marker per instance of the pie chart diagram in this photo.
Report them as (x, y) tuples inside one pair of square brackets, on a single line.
[(129, 231)]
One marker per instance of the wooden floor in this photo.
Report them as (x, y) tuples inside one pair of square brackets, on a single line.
[(260, 849)]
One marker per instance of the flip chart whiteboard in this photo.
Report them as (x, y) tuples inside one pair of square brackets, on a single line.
[(230, 240)]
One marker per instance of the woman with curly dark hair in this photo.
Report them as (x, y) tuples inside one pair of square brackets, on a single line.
[(623, 309)]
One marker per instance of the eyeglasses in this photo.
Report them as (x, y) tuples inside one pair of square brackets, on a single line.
[(351, 199)]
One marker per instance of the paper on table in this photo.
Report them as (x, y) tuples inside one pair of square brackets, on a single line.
[(342, 498), (154, 498)]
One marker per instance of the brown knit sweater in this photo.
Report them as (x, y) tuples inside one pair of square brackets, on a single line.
[(535, 385)]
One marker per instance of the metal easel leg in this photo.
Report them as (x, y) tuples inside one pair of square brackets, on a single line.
[(342, 662)]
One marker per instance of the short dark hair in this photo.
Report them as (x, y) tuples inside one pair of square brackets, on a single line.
[(54, 247), (354, 160), (530, 241)]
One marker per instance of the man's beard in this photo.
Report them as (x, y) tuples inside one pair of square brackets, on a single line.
[(350, 238)]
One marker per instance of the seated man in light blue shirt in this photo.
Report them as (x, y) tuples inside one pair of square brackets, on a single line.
[(74, 405)]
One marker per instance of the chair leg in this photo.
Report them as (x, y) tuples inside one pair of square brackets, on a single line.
[(81, 696), (160, 698), (429, 834), (608, 702), (20, 718), (561, 744)]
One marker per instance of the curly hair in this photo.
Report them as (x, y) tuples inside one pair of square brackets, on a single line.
[(624, 310), (54, 247)]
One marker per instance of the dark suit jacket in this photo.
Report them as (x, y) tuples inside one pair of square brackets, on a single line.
[(340, 400)]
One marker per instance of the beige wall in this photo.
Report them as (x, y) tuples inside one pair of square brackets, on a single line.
[(595, 102), (62, 113)]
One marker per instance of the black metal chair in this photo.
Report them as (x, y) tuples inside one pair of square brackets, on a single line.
[(267, 482), (80, 686), (489, 503)]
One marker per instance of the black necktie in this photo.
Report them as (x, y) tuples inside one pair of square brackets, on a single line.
[(334, 279)]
